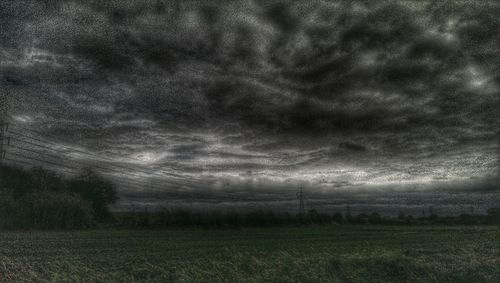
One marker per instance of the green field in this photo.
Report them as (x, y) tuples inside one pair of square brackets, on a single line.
[(307, 254)]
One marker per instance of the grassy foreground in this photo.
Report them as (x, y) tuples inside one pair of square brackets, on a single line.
[(306, 254)]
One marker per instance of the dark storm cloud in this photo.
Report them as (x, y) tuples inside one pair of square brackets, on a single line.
[(284, 89), (383, 48)]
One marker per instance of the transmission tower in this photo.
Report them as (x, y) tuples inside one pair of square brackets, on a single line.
[(348, 211), (301, 197)]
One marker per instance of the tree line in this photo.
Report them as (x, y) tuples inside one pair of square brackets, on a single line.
[(41, 199), (180, 218)]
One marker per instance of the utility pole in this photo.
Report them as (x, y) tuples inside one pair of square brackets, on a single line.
[(145, 194), (4, 127), (348, 211), (471, 210), (300, 197), (191, 199), (2, 154)]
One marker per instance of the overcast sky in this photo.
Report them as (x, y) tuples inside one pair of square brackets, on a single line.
[(356, 101)]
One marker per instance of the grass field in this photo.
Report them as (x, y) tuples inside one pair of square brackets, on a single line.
[(308, 254)]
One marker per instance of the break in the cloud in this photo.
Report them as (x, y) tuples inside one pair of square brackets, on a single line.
[(207, 95)]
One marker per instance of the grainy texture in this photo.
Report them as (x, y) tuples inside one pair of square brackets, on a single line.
[(312, 254), (383, 105)]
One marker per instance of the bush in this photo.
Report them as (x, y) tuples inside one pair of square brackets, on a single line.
[(494, 215), (38, 198), (99, 192), (44, 210), (375, 218), (338, 218), (49, 210), (13, 213)]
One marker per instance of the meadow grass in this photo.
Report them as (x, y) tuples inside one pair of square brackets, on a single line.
[(294, 254)]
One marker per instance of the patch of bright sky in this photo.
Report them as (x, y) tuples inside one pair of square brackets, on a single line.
[(22, 118)]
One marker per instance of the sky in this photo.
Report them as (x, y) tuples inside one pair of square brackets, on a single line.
[(379, 105)]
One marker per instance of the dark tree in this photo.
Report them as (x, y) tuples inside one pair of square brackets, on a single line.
[(494, 215), (338, 218), (95, 189), (375, 218)]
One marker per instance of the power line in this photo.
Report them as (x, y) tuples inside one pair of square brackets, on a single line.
[(42, 161), (31, 143), (80, 151), (134, 170), (129, 184), (50, 163), (28, 129), (27, 149), (73, 149), (98, 156), (120, 181), (47, 148), (53, 156), (83, 165), (132, 184), (17, 162), (58, 157), (20, 137)]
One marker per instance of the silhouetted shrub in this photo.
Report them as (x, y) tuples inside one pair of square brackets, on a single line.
[(494, 215), (99, 192), (361, 219), (13, 212), (45, 210), (375, 218), (49, 210), (38, 198), (349, 219), (174, 218), (465, 219), (338, 218)]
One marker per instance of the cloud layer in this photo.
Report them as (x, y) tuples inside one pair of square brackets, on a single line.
[(331, 94)]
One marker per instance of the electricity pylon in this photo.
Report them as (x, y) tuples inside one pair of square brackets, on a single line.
[(300, 197)]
